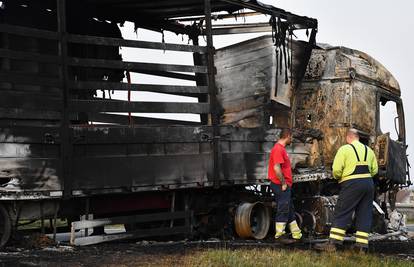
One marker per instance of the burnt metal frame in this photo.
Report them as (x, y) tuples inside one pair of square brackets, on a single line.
[(399, 107), (63, 38), (300, 21), (215, 113), (64, 61), (65, 104), (66, 146)]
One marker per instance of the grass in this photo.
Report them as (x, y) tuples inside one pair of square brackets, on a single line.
[(297, 258)]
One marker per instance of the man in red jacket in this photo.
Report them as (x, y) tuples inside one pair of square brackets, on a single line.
[(280, 176)]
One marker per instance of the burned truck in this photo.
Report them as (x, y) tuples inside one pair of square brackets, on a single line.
[(68, 149), (340, 88)]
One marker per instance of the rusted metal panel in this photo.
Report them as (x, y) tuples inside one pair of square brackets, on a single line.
[(325, 107), (252, 82), (339, 91), (381, 149), (364, 101)]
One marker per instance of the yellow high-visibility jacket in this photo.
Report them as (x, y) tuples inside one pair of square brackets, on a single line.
[(350, 163)]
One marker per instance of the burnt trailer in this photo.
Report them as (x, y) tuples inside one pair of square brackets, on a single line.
[(67, 149)]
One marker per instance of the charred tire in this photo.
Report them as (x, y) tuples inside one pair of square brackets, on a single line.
[(252, 220), (5, 226)]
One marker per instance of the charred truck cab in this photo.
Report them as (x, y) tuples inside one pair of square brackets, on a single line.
[(328, 91), (68, 149), (345, 88)]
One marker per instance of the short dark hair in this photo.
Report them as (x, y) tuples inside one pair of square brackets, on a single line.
[(285, 133)]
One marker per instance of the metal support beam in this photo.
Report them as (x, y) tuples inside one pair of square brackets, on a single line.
[(219, 16), (84, 39), (201, 79), (214, 107), (240, 30), (66, 147), (300, 21)]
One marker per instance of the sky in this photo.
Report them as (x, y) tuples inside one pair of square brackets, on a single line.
[(379, 28)]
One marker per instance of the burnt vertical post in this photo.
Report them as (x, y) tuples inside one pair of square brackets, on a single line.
[(214, 107), (65, 150), (201, 78)]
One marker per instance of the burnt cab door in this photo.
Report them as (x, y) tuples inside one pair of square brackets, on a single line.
[(390, 145)]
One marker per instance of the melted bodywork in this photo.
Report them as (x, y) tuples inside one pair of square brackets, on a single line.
[(341, 88), (59, 138)]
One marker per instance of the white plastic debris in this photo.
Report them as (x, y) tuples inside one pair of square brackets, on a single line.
[(397, 221), (59, 249)]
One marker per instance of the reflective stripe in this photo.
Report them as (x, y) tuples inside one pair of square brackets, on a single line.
[(362, 234), (297, 235), (336, 237), (338, 231), (355, 176), (280, 227), (361, 240), (293, 226), (279, 234), (295, 229)]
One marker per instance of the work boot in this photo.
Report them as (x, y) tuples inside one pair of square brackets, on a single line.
[(281, 236), (279, 229), (285, 239), (295, 230), (326, 247)]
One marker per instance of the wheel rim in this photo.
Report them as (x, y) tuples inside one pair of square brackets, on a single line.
[(252, 220)]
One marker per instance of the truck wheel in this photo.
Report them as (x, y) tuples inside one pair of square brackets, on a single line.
[(252, 220), (5, 226)]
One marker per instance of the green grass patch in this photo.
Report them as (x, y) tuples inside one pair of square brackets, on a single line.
[(297, 258)]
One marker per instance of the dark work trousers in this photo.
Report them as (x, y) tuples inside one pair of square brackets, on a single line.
[(355, 195), (285, 210)]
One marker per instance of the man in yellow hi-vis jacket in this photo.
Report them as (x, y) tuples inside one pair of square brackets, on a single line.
[(354, 166)]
